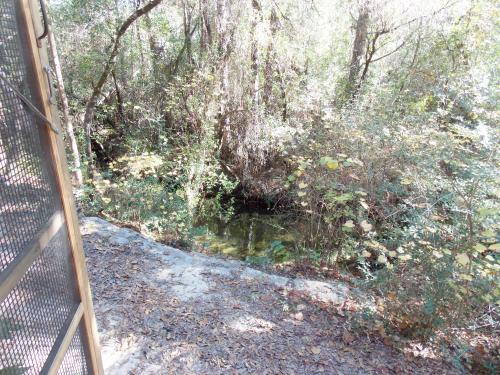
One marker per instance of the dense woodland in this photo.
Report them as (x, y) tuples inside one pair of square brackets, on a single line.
[(371, 124)]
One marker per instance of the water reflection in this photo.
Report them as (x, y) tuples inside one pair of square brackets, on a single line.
[(247, 235)]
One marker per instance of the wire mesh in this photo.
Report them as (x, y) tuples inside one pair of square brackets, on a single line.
[(35, 310), (26, 198), (74, 361)]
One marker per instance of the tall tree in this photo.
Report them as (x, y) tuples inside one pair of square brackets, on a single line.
[(91, 103), (155, 48), (255, 56), (187, 14), (205, 26), (359, 46), (68, 123), (270, 59), (223, 47)]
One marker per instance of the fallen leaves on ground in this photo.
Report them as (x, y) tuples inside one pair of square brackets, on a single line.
[(237, 326)]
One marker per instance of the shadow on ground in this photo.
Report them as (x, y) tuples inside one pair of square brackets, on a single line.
[(163, 311)]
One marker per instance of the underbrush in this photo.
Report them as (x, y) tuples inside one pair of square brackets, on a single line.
[(412, 209), (369, 132), (401, 192), (157, 194), (410, 212)]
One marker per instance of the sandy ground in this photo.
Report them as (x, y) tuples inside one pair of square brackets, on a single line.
[(164, 311)]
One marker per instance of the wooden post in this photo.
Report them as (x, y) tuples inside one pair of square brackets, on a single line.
[(31, 27)]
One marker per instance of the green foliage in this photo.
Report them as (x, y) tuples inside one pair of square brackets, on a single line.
[(392, 174), (13, 370), (7, 327)]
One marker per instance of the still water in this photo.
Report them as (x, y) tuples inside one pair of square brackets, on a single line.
[(248, 236)]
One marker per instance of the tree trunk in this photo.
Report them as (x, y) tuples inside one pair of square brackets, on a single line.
[(205, 27), (90, 107), (284, 101), (75, 153), (358, 48), (223, 54), (269, 65), (119, 101), (155, 50), (255, 56), (186, 21)]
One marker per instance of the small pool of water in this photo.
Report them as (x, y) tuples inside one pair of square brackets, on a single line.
[(248, 236)]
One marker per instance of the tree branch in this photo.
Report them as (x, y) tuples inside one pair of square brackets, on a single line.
[(389, 53), (91, 103)]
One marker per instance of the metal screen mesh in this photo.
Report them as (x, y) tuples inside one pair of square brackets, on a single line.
[(35, 310), (26, 200), (74, 360)]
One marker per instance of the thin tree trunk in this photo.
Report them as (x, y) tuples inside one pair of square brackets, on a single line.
[(358, 48), (75, 153), (119, 101), (284, 102), (155, 50), (187, 31), (269, 65), (255, 56), (90, 107), (205, 27), (410, 67), (223, 51), (142, 59)]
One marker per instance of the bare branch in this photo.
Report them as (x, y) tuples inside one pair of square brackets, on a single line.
[(389, 53)]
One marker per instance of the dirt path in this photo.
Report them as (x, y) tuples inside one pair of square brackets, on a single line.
[(164, 311)]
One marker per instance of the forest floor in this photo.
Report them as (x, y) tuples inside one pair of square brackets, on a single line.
[(164, 311)]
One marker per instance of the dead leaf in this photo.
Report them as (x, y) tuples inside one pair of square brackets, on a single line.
[(366, 226), (347, 337), (480, 349), (298, 316), (388, 341)]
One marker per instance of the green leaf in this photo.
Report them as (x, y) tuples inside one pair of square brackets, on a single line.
[(480, 248), (406, 181), (485, 212), (325, 159), (488, 233), (332, 165), (342, 198)]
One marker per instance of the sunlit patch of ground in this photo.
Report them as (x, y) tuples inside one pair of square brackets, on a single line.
[(164, 311)]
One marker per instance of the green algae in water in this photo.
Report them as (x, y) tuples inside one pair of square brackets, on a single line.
[(254, 237)]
